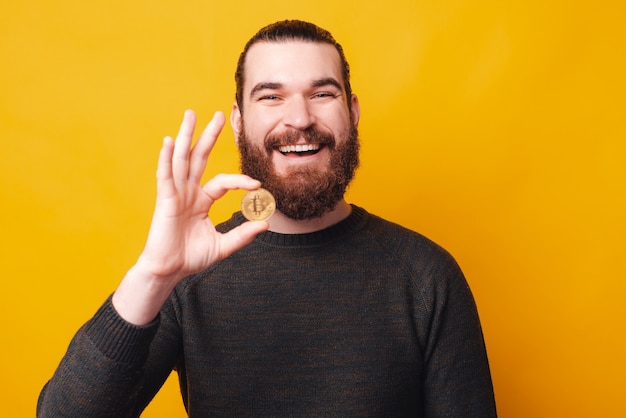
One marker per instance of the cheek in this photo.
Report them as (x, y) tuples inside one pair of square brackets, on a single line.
[(337, 120), (258, 128), (263, 117)]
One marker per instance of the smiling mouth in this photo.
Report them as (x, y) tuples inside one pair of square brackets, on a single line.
[(300, 150)]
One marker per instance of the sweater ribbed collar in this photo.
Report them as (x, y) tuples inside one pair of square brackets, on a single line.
[(353, 222)]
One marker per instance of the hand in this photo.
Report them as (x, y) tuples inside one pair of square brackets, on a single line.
[(182, 239)]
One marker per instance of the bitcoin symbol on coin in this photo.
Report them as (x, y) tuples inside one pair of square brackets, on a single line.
[(258, 205)]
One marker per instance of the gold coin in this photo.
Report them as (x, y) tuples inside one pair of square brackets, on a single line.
[(258, 205)]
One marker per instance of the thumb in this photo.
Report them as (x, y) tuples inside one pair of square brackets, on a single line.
[(239, 237)]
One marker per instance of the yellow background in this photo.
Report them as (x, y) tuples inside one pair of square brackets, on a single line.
[(494, 127)]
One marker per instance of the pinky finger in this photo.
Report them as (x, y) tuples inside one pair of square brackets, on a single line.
[(165, 181)]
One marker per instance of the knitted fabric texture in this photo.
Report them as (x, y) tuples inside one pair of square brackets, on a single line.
[(365, 318)]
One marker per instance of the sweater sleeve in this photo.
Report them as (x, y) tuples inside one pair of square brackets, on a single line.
[(457, 379), (455, 375), (103, 372)]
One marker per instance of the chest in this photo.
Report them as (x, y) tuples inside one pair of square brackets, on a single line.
[(304, 335)]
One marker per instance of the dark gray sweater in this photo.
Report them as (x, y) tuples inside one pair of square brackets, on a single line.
[(363, 319)]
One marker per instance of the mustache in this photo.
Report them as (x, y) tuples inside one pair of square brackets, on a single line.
[(310, 136)]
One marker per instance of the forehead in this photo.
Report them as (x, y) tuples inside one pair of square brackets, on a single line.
[(291, 63)]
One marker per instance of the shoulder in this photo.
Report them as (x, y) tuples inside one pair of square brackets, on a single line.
[(437, 279), (406, 243), (430, 266)]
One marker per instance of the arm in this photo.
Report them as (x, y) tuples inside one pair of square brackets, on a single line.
[(457, 380), (104, 370)]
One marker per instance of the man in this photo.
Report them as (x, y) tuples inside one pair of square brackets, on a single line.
[(323, 310)]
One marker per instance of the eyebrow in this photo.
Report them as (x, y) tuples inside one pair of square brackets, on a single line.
[(265, 86), (329, 81)]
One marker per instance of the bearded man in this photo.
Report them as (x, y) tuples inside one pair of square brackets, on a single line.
[(323, 310)]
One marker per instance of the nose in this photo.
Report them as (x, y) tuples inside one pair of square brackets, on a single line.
[(298, 114)]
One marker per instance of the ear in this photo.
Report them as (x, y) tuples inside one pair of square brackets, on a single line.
[(355, 109), (235, 121)]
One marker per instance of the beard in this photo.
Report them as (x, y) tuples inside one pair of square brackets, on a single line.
[(303, 192)]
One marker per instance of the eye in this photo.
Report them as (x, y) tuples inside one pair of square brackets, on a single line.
[(323, 94), (268, 97)]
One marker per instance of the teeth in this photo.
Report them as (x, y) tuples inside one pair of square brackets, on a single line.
[(299, 148)]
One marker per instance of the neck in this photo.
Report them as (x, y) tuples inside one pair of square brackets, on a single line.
[(283, 225)]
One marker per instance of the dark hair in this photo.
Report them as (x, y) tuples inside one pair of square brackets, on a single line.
[(291, 30)]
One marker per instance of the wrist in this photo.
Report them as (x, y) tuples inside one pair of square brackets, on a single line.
[(140, 296)]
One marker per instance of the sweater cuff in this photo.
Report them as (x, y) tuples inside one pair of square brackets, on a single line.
[(118, 339)]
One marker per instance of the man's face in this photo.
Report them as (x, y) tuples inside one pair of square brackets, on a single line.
[(296, 133)]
